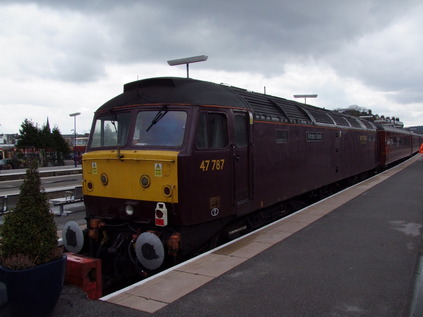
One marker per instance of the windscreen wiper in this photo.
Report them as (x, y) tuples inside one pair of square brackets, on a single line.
[(162, 112), (113, 122)]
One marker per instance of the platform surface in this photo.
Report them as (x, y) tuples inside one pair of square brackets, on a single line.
[(353, 254)]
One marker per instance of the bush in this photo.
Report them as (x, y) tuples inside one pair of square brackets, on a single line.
[(29, 233)]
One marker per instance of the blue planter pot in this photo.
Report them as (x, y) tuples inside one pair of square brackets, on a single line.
[(34, 291)]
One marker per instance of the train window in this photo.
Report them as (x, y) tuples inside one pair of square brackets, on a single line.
[(241, 132), (111, 130), (212, 132), (160, 128)]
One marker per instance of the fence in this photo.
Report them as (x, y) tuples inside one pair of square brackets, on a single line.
[(7, 202)]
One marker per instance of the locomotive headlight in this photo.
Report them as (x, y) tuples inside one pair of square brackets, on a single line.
[(145, 181), (129, 209)]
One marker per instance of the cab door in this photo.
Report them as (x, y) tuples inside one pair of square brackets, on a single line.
[(242, 159), (210, 173)]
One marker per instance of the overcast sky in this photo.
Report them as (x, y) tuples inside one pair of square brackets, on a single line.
[(61, 57)]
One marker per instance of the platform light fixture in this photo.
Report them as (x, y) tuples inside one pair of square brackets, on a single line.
[(187, 61), (74, 115), (305, 97)]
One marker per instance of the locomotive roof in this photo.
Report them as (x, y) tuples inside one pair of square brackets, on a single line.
[(265, 107)]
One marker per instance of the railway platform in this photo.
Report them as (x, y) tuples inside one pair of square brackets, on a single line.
[(356, 253)]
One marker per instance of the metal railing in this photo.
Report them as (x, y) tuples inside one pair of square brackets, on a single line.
[(3, 204), (7, 201)]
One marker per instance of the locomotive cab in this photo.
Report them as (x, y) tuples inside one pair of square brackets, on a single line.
[(130, 181)]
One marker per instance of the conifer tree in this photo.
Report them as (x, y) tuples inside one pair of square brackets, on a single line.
[(29, 231)]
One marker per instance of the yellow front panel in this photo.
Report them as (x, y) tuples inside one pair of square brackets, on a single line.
[(106, 175)]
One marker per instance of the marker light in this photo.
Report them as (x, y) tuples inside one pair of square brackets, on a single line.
[(167, 191), (161, 215), (104, 179)]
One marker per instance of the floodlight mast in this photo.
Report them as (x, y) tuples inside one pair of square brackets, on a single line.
[(187, 61), (74, 115), (305, 97)]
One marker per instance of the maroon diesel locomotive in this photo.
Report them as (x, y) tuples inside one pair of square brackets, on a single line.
[(174, 164)]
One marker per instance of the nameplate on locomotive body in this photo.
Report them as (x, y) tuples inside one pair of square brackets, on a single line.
[(314, 137)]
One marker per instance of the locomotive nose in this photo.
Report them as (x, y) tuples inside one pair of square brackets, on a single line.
[(136, 176)]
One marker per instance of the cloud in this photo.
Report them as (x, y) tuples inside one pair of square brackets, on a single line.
[(76, 53), (253, 36), (48, 44)]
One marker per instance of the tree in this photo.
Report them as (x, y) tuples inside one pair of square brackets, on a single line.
[(29, 232), (45, 137), (50, 145), (60, 145), (355, 111), (28, 135), (45, 143)]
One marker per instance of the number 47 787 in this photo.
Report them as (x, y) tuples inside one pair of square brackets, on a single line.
[(212, 165)]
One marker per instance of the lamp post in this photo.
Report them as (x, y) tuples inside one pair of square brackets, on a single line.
[(74, 115), (305, 97), (187, 61)]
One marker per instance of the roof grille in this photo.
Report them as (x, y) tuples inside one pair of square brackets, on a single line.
[(354, 123), (339, 120), (320, 116), (292, 110), (262, 104), (368, 124)]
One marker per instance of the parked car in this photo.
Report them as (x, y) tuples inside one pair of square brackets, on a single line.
[(7, 164)]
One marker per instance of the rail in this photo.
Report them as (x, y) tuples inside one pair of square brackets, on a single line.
[(70, 197), (7, 201), (6, 175)]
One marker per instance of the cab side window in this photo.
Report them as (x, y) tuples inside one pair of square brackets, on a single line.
[(241, 131), (212, 131)]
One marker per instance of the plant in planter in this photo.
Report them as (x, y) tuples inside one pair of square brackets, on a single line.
[(29, 251)]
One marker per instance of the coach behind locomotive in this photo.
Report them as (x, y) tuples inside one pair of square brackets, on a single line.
[(174, 163)]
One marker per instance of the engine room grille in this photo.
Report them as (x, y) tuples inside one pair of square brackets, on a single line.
[(270, 107), (273, 108), (262, 104), (320, 116), (292, 110), (368, 124), (339, 120), (354, 123)]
